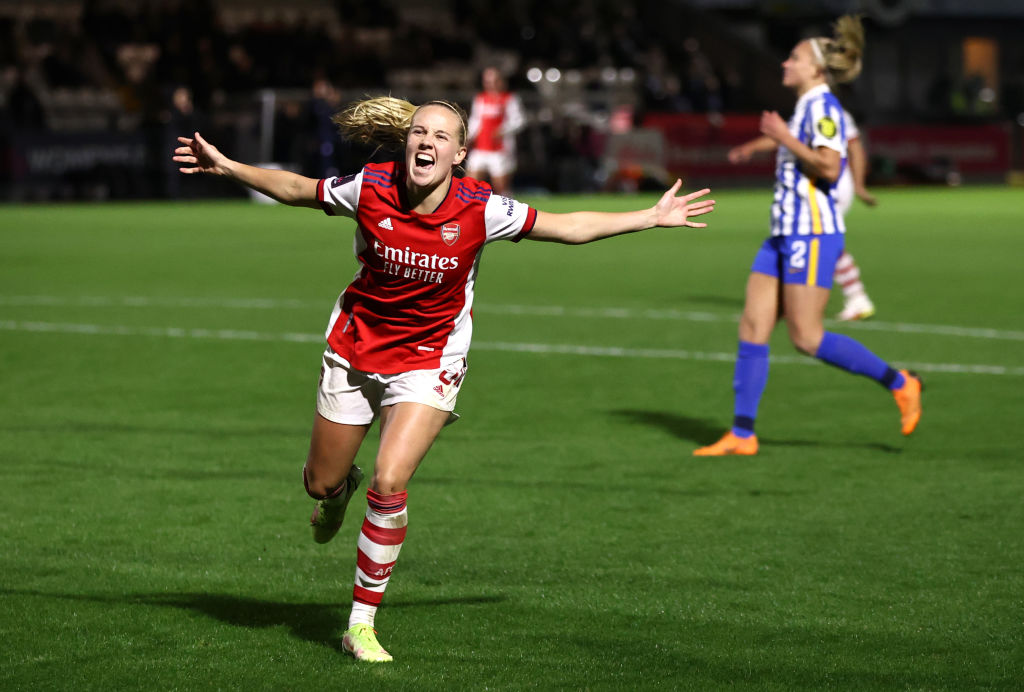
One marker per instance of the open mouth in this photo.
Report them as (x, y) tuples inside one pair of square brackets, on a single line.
[(423, 162)]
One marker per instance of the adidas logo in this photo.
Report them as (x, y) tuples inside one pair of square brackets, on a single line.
[(386, 224)]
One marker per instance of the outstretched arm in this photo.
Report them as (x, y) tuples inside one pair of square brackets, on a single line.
[(580, 227), (746, 151), (199, 156)]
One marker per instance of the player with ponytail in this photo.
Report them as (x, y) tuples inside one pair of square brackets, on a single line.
[(399, 334), (841, 59), (791, 275)]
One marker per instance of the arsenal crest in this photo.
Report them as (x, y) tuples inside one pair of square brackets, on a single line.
[(450, 233)]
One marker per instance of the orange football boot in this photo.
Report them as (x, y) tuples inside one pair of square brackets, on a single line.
[(729, 444), (908, 398)]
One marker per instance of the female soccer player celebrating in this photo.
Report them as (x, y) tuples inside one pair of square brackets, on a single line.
[(806, 241), (398, 336)]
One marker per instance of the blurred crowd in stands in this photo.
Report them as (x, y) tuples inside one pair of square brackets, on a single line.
[(157, 68), (162, 67), (143, 50)]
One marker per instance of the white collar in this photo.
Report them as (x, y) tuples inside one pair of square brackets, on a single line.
[(811, 93)]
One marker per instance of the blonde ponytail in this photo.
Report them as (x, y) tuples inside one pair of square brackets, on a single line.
[(384, 120), (841, 56)]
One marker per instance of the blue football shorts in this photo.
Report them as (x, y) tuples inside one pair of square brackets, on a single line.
[(800, 259)]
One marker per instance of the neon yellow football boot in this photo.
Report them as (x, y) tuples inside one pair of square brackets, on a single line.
[(361, 642)]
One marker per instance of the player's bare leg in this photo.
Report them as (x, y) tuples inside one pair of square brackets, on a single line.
[(805, 306), (407, 431), (804, 311), (329, 474), (760, 312)]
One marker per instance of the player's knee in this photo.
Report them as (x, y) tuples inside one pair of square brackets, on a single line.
[(320, 485), (387, 484), (753, 329), (805, 340)]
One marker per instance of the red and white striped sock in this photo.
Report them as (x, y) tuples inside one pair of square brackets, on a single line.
[(380, 540), (848, 275)]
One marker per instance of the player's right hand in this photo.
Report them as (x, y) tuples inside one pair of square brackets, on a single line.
[(739, 155), (866, 197)]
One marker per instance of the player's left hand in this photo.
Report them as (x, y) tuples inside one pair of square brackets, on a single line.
[(676, 211)]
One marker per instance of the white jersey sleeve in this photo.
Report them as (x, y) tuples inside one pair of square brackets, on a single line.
[(851, 126), (507, 219), (826, 126), (339, 196), (514, 119)]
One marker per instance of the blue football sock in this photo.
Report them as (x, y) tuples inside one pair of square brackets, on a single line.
[(748, 381), (852, 356)]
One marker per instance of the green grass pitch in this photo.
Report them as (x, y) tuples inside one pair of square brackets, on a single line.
[(158, 366)]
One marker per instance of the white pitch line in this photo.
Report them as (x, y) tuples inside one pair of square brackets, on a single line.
[(554, 349), (502, 309), (693, 316), (675, 354), (156, 302), (162, 332)]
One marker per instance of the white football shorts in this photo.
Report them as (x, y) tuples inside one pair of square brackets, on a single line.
[(492, 163), (353, 397)]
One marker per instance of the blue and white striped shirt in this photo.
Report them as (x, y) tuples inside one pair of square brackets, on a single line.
[(804, 205)]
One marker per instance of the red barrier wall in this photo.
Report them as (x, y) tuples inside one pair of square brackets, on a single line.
[(696, 147)]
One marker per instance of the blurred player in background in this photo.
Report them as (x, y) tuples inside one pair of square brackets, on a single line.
[(792, 273), (399, 334), (495, 117), (856, 303), (853, 182)]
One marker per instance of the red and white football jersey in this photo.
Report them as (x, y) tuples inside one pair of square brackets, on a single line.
[(494, 118), (409, 305)]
